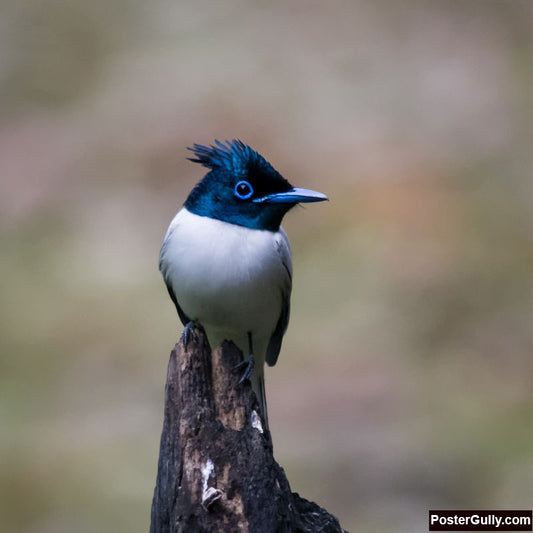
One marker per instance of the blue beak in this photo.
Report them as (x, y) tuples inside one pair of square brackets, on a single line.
[(294, 196)]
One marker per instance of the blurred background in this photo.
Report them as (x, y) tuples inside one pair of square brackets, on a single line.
[(406, 378)]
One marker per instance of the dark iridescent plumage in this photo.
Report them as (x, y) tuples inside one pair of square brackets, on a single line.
[(231, 162)]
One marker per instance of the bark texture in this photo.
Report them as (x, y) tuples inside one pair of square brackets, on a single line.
[(216, 469)]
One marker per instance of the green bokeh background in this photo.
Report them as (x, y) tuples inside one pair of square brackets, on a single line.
[(406, 377)]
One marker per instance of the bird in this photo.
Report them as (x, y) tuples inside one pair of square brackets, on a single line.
[(226, 260)]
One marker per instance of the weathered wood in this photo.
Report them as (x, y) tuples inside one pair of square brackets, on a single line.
[(216, 470)]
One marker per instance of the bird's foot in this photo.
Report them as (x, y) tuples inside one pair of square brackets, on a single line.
[(248, 365), (188, 332)]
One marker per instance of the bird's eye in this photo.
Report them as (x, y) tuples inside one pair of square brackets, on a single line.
[(243, 190)]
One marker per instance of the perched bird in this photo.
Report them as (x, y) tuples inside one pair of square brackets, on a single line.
[(226, 260)]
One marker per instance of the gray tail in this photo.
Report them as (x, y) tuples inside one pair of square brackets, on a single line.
[(258, 386)]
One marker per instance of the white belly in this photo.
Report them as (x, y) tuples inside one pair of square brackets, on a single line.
[(227, 277)]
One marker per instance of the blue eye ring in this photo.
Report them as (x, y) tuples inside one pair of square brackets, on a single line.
[(243, 190)]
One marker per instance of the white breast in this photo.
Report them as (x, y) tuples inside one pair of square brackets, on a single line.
[(230, 278)]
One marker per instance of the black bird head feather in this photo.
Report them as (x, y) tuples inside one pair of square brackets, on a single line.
[(233, 156)]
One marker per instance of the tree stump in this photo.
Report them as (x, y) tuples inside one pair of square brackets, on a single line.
[(216, 469)]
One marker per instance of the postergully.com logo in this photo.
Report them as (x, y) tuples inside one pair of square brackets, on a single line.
[(480, 520)]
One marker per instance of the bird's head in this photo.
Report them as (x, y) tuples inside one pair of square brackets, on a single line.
[(243, 188)]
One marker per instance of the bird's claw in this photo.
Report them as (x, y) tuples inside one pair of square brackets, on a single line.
[(188, 331), (248, 365)]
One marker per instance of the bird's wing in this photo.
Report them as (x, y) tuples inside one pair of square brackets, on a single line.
[(163, 268), (274, 345), (183, 317)]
